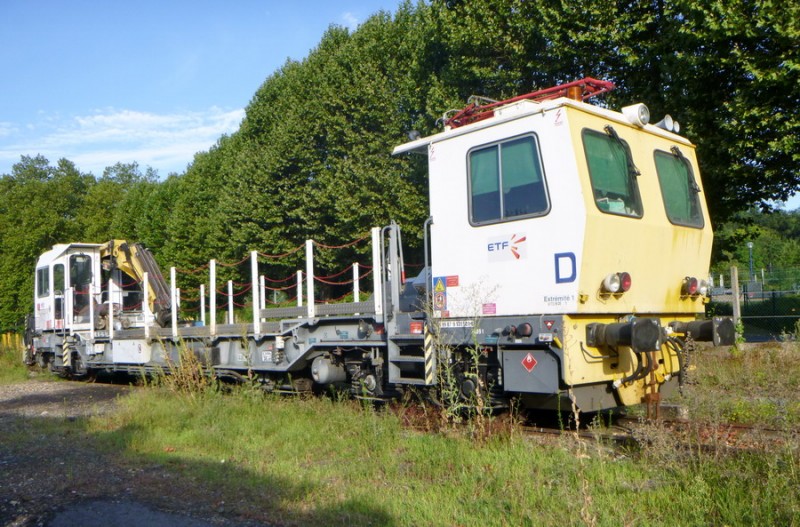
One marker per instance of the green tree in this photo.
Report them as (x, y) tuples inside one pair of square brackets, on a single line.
[(40, 207), (105, 213)]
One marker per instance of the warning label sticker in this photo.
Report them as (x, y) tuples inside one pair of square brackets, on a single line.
[(439, 300), (529, 363)]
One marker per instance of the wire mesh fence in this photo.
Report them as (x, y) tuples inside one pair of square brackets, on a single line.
[(769, 303)]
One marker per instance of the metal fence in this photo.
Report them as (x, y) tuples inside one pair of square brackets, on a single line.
[(769, 303)]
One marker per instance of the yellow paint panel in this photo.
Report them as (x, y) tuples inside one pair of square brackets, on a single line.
[(657, 254)]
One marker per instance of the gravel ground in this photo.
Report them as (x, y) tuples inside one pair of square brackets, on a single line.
[(52, 475)]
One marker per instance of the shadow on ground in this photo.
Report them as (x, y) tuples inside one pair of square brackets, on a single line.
[(55, 471)]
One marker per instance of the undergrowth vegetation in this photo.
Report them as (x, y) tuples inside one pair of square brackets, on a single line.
[(319, 461), (748, 384), (12, 368), (330, 461)]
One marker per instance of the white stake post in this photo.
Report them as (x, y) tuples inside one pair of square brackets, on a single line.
[(299, 288), (174, 302), (203, 304), (356, 288), (263, 286), (377, 271), (91, 312), (256, 295), (212, 297), (230, 301), (110, 312), (310, 278), (146, 305)]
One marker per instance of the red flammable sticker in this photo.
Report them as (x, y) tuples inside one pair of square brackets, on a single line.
[(529, 363)]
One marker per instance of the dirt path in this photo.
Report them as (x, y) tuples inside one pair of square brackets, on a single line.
[(53, 476)]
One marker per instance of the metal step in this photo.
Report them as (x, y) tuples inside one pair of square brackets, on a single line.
[(411, 380), (407, 337), (407, 358)]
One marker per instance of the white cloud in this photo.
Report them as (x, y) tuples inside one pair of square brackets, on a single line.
[(165, 142), (6, 129), (350, 20)]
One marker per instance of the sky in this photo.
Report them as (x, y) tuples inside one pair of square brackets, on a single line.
[(147, 81)]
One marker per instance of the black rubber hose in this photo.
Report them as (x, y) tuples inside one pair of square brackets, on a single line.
[(637, 372), (679, 351)]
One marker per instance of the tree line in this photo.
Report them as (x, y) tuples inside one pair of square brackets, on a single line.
[(311, 158)]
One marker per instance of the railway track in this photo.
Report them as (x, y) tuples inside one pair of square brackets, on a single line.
[(680, 431)]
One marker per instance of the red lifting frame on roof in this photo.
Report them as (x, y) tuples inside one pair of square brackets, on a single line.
[(579, 90)]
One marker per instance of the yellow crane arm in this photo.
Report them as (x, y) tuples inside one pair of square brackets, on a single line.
[(134, 260)]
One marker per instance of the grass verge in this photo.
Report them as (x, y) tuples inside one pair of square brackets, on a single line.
[(11, 367), (321, 462), (290, 461), (749, 384)]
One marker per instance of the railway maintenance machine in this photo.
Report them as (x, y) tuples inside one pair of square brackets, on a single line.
[(567, 251)]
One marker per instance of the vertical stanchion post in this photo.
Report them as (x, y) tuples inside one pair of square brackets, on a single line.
[(212, 296), (174, 302), (299, 288), (203, 304), (230, 301), (110, 312), (310, 278), (263, 286), (356, 287), (737, 308), (146, 305), (68, 315), (377, 271), (91, 313), (256, 292)]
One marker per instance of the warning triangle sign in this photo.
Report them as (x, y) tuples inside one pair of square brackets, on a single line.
[(439, 286)]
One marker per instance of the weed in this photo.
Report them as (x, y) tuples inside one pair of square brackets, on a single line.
[(188, 376)]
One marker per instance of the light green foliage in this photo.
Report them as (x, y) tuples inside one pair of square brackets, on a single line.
[(776, 247)]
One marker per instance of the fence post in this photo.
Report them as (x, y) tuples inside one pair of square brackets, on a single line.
[(737, 307)]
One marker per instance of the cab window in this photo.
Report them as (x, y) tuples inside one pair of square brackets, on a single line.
[(42, 282), (678, 189), (506, 181), (58, 279), (612, 173)]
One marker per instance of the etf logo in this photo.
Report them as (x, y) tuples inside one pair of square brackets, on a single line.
[(507, 248)]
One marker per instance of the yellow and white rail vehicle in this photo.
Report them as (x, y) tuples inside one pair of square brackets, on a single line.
[(566, 252)]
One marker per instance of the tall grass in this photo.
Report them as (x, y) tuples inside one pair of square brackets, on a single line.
[(12, 368), (749, 384), (322, 462)]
